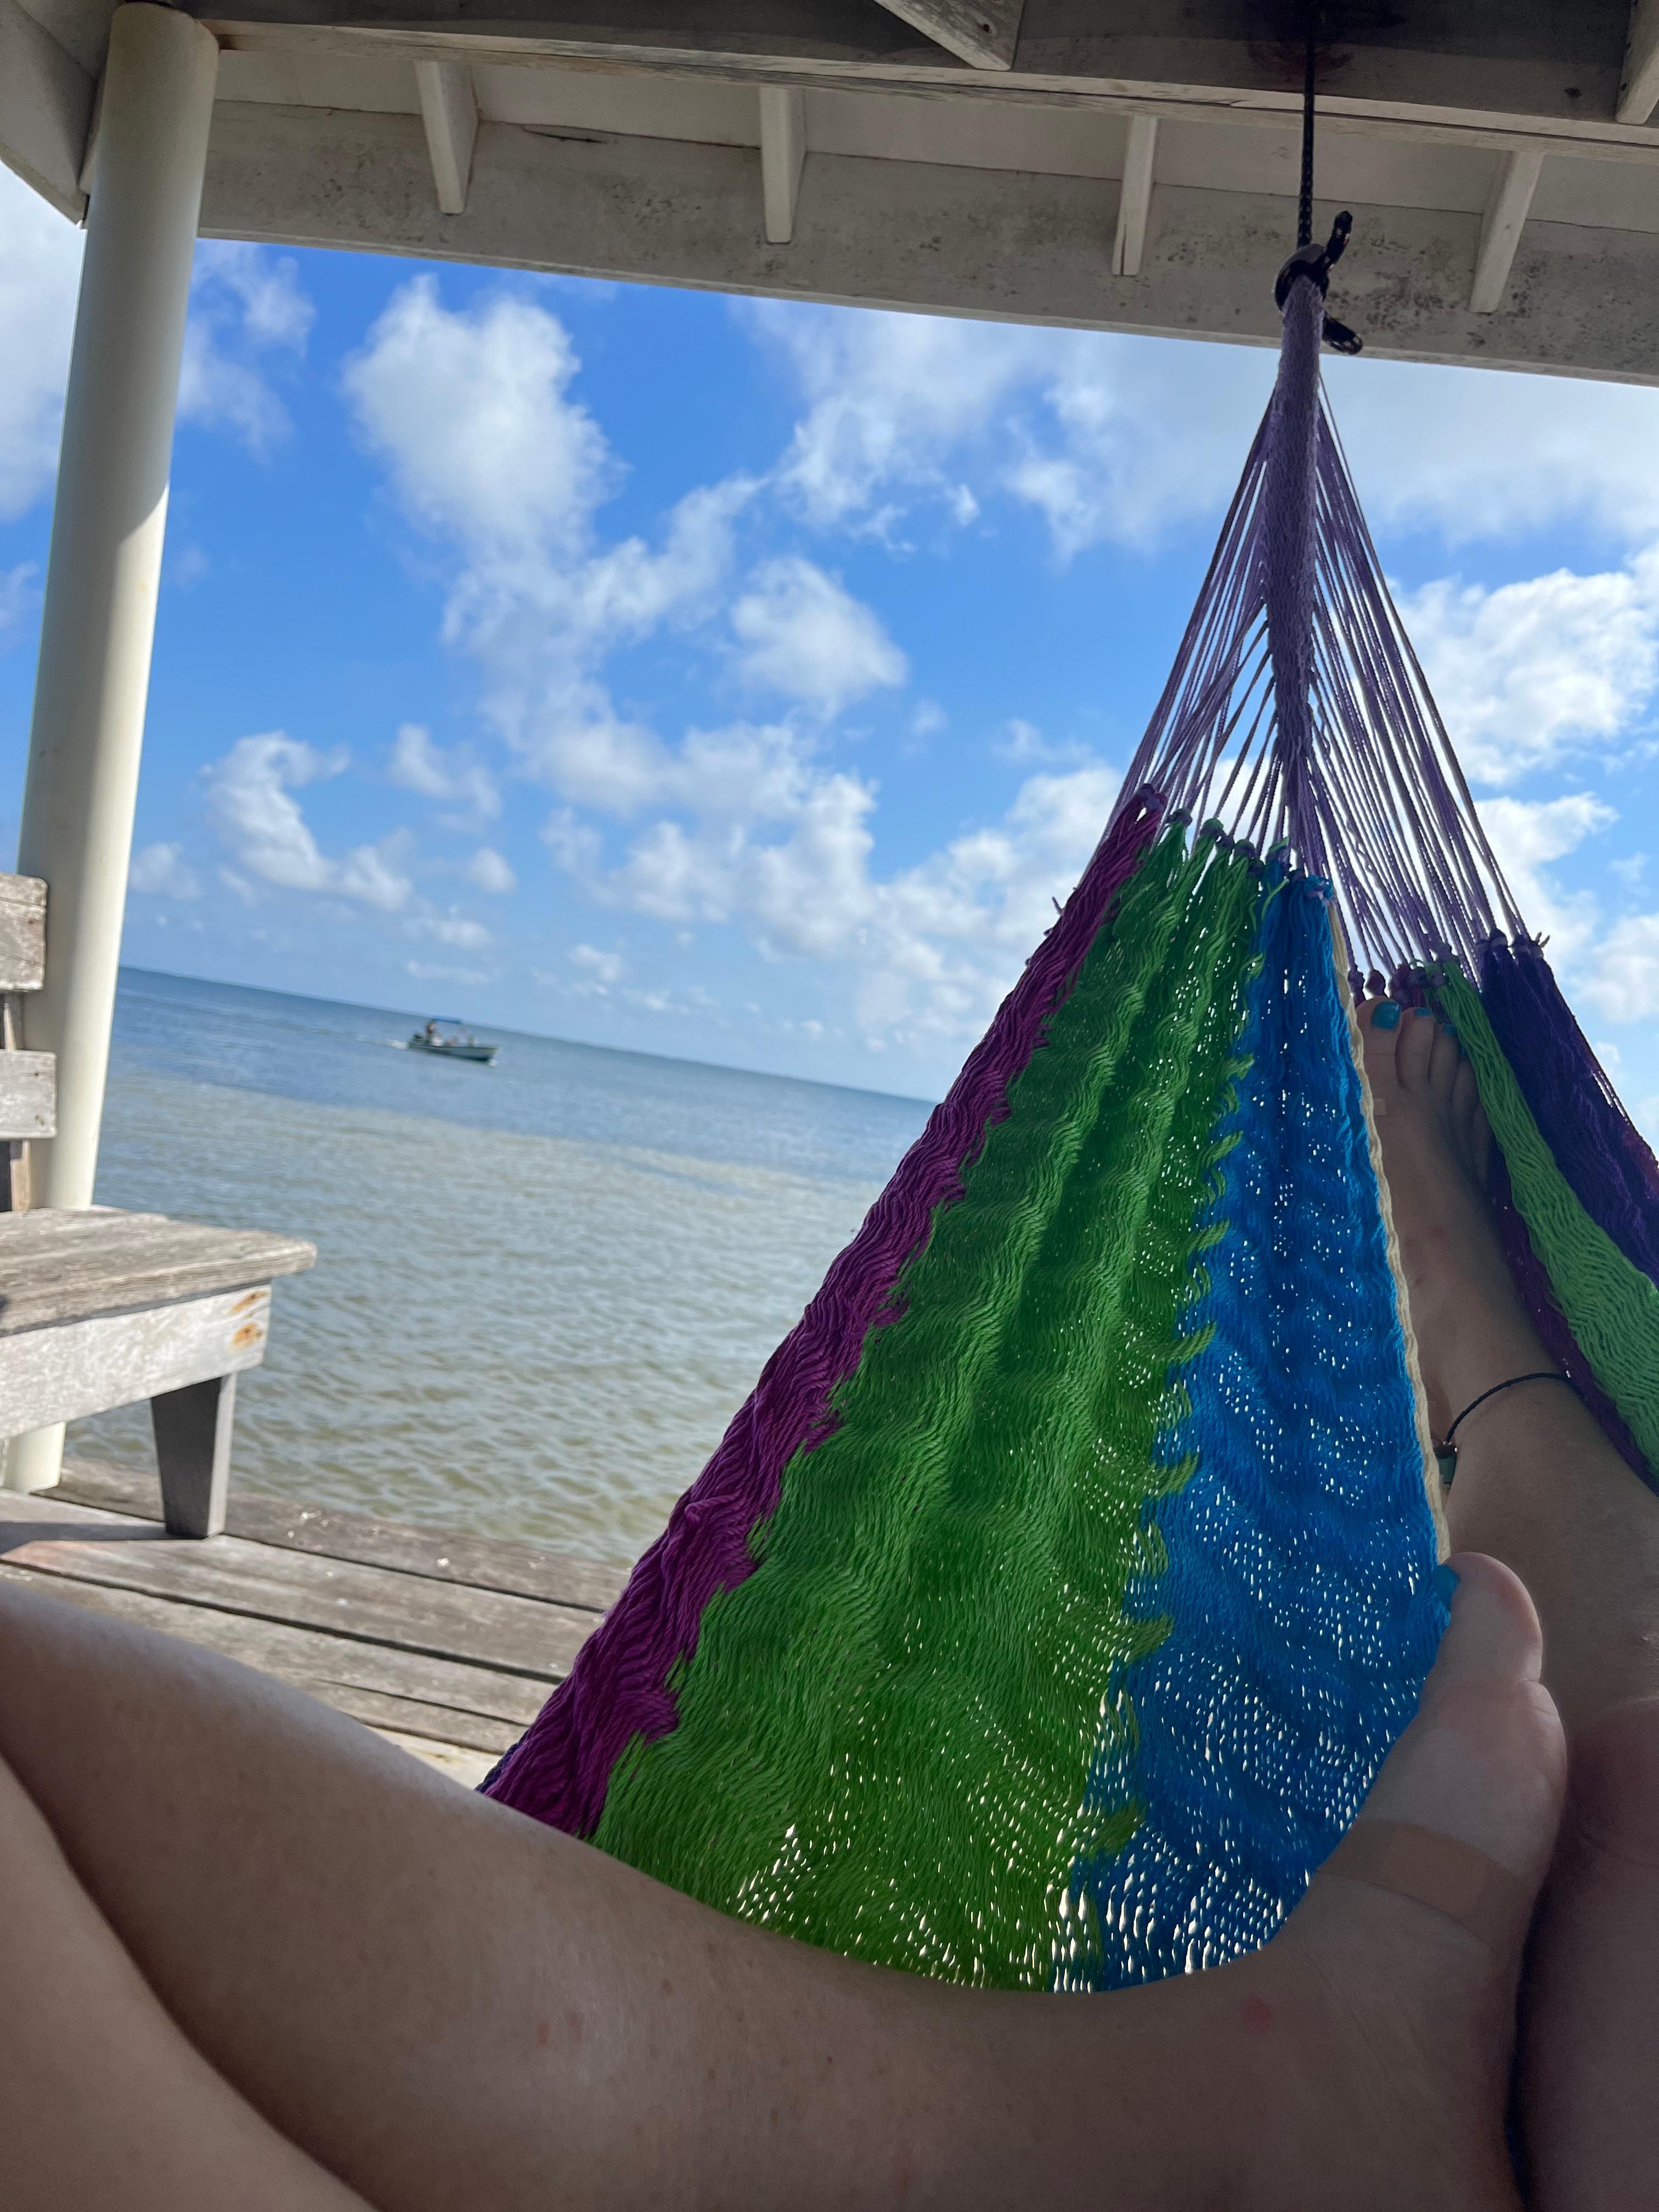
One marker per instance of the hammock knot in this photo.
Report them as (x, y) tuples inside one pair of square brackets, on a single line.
[(1315, 264)]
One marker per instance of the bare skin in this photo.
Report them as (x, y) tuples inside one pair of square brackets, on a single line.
[(244, 1938), (1538, 1486)]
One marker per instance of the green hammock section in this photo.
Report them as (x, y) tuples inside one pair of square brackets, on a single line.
[(885, 1732), (1610, 1306)]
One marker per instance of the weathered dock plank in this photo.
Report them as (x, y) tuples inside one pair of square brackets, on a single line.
[(339, 1597), (490, 1563), (405, 1690)]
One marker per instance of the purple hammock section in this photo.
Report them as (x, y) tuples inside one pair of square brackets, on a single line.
[(618, 1689)]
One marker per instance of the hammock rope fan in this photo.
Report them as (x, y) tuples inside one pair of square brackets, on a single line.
[(1046, 1612)]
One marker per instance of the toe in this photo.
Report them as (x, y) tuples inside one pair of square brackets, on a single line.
[(1417, 1033), (1379, 1032), (1484, 1761), (1444, 1062)]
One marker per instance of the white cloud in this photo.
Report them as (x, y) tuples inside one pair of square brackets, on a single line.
[(418, 764), (251, 803), (1527, 835), (473, 416), (491, 871), (18, 596), (1623, 982), (800, 634), (601, 969), (1108, 437), (39, 273), (428, 971), (159, 872), (934, 946), (246, 302), (455, 930), (1479, 453), (928, 720), (1525, 673)]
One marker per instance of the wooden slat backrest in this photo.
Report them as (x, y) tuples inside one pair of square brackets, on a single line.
[(28, 1090), (22, 932)]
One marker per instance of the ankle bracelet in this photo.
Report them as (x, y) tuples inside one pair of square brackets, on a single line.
[(1446, 1451)]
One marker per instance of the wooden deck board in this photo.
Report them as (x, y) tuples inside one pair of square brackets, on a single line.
[(450, 1669), (489, 1562)]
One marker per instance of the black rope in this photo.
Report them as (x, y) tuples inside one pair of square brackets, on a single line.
[(1304, 197), (1309, 260)]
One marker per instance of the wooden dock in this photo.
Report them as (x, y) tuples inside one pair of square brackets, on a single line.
[(446, 1643)]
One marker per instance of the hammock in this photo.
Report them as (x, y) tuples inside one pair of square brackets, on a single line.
[(1046, 1612)]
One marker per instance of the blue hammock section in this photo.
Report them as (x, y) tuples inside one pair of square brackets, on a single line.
[(1299, 1539)]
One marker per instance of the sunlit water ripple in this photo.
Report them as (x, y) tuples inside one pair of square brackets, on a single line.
[(542, 1289)]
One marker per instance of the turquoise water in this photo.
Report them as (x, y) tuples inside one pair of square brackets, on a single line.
[(541, 1288)]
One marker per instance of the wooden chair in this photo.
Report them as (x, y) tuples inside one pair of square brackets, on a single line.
[(101, 1309)]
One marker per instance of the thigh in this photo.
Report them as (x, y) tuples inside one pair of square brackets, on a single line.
[(102, 2100), (449, 2005)]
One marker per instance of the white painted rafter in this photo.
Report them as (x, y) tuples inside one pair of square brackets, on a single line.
[(1638, 91), (1501, 227), (450, 112), (1134, 198), (783, 153)]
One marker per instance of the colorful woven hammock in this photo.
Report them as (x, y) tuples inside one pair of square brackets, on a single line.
[(1046, 1612)]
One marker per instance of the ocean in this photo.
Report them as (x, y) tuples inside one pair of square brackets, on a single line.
[(541, 1288)]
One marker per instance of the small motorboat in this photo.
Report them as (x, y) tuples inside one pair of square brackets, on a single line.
[(451, 1042)]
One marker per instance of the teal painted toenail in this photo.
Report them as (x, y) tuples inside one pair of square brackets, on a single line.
[(1387, 1015), (1445, 1584), (1423, 1014)]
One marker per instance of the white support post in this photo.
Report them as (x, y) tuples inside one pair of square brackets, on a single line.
[(1135, 200), (783, 151), (99, 621), (1500, 232), (449, 109)]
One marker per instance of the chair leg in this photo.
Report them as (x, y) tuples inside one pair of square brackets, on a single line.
[(192, 1450)]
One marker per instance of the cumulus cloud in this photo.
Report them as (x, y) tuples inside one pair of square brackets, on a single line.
[(455, 930), (491, 871), (934, 946), (800, 634), (246, 303), (599, 970), (1109, 438), (1527, 672), (39, 273), (160, 872), (1527, 836), (418, 765), (473, 415), (1480, 452), (251, 803)]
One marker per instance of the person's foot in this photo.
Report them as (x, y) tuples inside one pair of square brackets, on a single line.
[(1472, 1330), (1384, 2027)]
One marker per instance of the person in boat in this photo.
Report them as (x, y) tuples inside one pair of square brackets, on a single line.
[(253, 1956), (431, 1033)]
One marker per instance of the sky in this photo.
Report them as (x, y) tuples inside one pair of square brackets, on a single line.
[(743, 680)]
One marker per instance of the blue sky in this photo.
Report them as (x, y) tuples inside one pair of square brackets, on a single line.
[(742, 680)]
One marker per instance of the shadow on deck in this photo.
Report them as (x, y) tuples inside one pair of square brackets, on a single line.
[(446, 1643)]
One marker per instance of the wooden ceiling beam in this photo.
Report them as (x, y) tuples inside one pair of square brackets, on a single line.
[(982, 33), (1639, 89)]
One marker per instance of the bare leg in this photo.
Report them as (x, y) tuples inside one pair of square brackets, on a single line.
[(448, 2006), (1538, 1486), (102, 2100)]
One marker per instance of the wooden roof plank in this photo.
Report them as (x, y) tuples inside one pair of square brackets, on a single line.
[(982, 33)]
